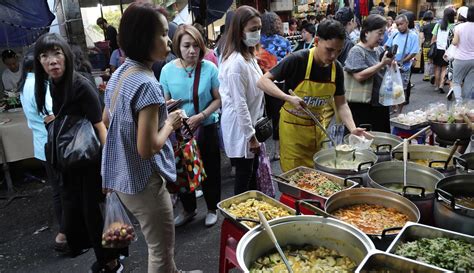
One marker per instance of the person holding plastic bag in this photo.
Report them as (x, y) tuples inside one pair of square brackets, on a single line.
[(138, 158), (391, 91), (365, 68)]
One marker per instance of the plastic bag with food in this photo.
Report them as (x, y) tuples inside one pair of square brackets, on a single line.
[(360, 143), (391, 91), (118, 230)]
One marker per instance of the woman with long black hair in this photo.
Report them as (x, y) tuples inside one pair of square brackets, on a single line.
[(73, 94)]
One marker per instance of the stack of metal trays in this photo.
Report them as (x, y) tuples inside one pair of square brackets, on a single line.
[(299, 193), (224, 206), (413, 231)]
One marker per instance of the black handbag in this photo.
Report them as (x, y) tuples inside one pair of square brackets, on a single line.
[(72, 143), (432, 51)]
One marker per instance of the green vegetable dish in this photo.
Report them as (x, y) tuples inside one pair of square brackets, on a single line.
[(304, 259), (446, 253)]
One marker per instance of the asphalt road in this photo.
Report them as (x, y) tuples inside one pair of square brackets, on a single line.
[(197, 247)]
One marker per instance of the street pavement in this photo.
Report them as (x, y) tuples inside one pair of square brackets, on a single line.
[(197, 247)]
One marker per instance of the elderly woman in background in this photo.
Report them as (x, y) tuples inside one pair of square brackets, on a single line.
[(367, 60)]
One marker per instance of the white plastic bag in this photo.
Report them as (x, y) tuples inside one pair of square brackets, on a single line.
[(450, 52), (391, 91), (359, 143)]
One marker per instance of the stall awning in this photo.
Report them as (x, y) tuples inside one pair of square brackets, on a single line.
[(23, 21)]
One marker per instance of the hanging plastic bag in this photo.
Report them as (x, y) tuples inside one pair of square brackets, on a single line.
[(391, 91), (118, 230), (360, 143), (264, 171)]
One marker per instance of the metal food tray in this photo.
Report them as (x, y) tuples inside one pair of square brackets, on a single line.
[(300, 193), (237, 199), (400, 125), (376, 260), (413, 231)]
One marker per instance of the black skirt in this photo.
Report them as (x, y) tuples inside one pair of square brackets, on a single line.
[(438, 59)]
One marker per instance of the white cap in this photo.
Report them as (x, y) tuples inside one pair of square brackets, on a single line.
[(463, 11)]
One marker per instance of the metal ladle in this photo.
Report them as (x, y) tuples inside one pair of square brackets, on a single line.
[(270, 233)]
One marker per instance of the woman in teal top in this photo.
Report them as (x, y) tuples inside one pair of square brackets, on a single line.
[(177, 79)]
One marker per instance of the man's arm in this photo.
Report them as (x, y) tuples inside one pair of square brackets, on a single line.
[(268, 86)]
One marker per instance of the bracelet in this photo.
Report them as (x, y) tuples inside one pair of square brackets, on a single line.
[(204, 114)]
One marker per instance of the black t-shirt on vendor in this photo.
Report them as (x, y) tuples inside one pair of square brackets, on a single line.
[(84, 102), (292, 70)]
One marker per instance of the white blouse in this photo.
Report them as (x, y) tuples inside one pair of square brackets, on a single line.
[(242, 103)]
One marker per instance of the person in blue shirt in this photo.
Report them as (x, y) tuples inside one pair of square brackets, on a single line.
[(177, 79), (40, 137), (408, 47)]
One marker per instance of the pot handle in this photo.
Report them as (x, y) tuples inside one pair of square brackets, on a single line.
[(413, 187), (324, 142), (438, 161), (401, 153), (384, 232), (367, 126), (244, 219), (389, 146), (307, 203), (447, 195), (359, 168), (460, 161), (353, 178)]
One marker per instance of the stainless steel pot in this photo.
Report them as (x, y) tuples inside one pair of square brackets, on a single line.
[(382, 144), (449, 214), (304, 230), (374, 197), (325, 157), (435, 156), (421, 184), (466, 161), (451, 131)]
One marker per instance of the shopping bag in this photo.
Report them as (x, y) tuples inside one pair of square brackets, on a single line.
[(264, 171), (450, 52), (391, 91), (190, 171), (118, 230)]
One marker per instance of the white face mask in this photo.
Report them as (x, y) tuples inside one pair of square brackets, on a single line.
[(252, 38)]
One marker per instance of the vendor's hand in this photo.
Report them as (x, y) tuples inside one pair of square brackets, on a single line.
[(297, 102), (175, 119), (362, 132), (254, 145), (386, 60), (195, 121)]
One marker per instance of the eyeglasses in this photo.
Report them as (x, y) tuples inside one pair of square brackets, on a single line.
[(44, 57)]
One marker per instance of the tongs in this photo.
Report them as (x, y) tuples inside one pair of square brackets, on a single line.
[(313, 117)]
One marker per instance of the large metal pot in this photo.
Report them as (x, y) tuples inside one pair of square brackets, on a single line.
[(435, 156), (304, 230), (451, 131), (382, 144), (366, 159), (466, 161), (448, 213), (374, 197), (421, 184)]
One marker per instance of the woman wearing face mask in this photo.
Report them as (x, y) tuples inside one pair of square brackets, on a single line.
[(178, 78), (242, 101), (73, 94), (363, 63), (138, 157)]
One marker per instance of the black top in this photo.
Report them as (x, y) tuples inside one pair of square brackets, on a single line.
[(348, 44), (84, 99), (427, 30), (292, 70), (111, 35)]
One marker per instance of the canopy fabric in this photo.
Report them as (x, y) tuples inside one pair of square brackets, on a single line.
[(23, 21), (215, 9)]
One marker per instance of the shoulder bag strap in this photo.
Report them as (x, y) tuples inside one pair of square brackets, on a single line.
[(125, 75), (405, 46), (197, 76)]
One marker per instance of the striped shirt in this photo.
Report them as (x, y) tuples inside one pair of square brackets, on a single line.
[(123, 169)]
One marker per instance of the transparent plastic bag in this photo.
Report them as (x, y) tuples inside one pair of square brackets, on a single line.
[(118, 230), (360, 143), (391, 91)]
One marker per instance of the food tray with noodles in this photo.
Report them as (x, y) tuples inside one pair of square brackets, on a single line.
[(326, 187), (248, 203), (396, 123), (412, 232), (378, 261)]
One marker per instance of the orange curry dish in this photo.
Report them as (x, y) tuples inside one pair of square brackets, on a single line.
[(371, 219)]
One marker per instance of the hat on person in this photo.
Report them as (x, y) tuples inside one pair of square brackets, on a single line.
[(463, 11), (344, 15)]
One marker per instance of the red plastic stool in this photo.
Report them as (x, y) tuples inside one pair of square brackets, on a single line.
[(290, 202), (230, 237)]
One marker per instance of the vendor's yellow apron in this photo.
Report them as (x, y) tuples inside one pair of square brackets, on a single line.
[(300, 138)]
